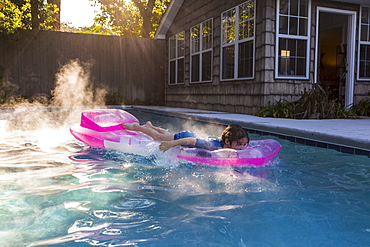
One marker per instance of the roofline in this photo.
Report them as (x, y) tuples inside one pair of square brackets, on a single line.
[(168, 18)]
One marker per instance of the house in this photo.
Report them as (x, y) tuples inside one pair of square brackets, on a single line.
[(237, 55)]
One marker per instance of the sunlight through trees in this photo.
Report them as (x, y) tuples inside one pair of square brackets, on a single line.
[(138, 18)]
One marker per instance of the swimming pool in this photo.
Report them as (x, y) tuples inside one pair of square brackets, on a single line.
[(54, 191)]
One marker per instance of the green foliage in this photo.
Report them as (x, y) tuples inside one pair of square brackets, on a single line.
[(113, 98), (7, 89), (95, 29), (7, 92), (138, 101), (159, 9), (14, 16), (137, 18), (47, 16), (280, 109), (9, 97), (2, 74), (119, 17), (11, 16), (362, 108), (313, 104), (98, 30)]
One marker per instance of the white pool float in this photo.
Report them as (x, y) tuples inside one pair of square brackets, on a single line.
[(102, 128)]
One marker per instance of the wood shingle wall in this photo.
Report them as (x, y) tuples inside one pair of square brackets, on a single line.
[(240, 96), (243, 96)]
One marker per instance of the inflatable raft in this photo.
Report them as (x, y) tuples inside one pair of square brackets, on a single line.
[(102, 128)]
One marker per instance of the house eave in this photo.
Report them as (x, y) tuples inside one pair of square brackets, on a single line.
[(168, 18)]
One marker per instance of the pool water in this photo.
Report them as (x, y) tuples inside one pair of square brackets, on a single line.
[(55, 191)]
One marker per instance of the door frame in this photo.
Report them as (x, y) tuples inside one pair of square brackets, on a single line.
[(351, 42)]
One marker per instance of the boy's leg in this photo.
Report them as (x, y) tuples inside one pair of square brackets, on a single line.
[(152, 132), (158, 129)]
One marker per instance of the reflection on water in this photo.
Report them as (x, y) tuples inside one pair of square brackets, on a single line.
[(54, 191)]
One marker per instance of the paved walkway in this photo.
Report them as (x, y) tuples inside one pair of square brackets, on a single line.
[(353, 133)]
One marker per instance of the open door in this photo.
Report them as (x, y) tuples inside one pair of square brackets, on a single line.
[(335, 42)]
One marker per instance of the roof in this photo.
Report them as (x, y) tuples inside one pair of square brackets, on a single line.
[(168, 18)]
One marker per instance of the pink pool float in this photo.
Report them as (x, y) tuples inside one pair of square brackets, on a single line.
[(102, 128)]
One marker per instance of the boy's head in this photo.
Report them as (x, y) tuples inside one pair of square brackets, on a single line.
[(235, 137)]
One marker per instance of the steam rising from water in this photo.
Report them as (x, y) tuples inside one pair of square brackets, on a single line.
[(32, 130), (73, 93), (73, 87)]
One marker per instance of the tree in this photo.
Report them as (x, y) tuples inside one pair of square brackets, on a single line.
[(137, 18), (45, 15), (146, 11), (10, 16), (28, 14), (35, 14), (55, 14)]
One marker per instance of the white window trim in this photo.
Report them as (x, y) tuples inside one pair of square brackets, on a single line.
[(236, 45), (295, 37), (359, 46), (176, 59), (349, 91), (200, 53)]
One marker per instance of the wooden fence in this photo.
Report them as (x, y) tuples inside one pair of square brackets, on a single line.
[(130, 67)]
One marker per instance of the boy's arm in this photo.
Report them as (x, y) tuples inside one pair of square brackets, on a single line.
[(165, 145)]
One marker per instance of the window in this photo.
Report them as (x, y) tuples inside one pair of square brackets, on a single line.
[(364, 54), (201, 45), (292, 50), (238, 42), (177, 58)]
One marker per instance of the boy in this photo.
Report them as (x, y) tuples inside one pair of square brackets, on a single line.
[(234, 137)]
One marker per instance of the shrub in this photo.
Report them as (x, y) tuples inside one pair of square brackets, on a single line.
[(7, 89), (113, 98), (313, 104), (362, 108)]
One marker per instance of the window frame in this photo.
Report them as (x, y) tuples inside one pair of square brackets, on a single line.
[(201, 52), (360, 43), (296, 37), (236, 43), (176, 58)]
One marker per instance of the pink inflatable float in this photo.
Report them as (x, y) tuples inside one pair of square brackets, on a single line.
[(102, 128)]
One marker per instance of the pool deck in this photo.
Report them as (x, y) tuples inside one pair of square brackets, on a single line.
[(344, 135)]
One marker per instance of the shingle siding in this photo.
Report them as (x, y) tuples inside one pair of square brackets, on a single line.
[(242, 96)]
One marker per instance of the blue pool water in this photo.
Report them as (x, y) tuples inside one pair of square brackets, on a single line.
[(55, 191)]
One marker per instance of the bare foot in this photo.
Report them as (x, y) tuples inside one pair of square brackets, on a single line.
[(158, 129), (148, 124), (130, 126)]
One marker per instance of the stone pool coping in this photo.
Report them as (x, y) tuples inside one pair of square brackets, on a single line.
[(344, 135)]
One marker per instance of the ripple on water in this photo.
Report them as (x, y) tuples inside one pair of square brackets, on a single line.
[(57, 191), (135, 204)]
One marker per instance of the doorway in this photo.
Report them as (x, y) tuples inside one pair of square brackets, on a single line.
[(335, 42)]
